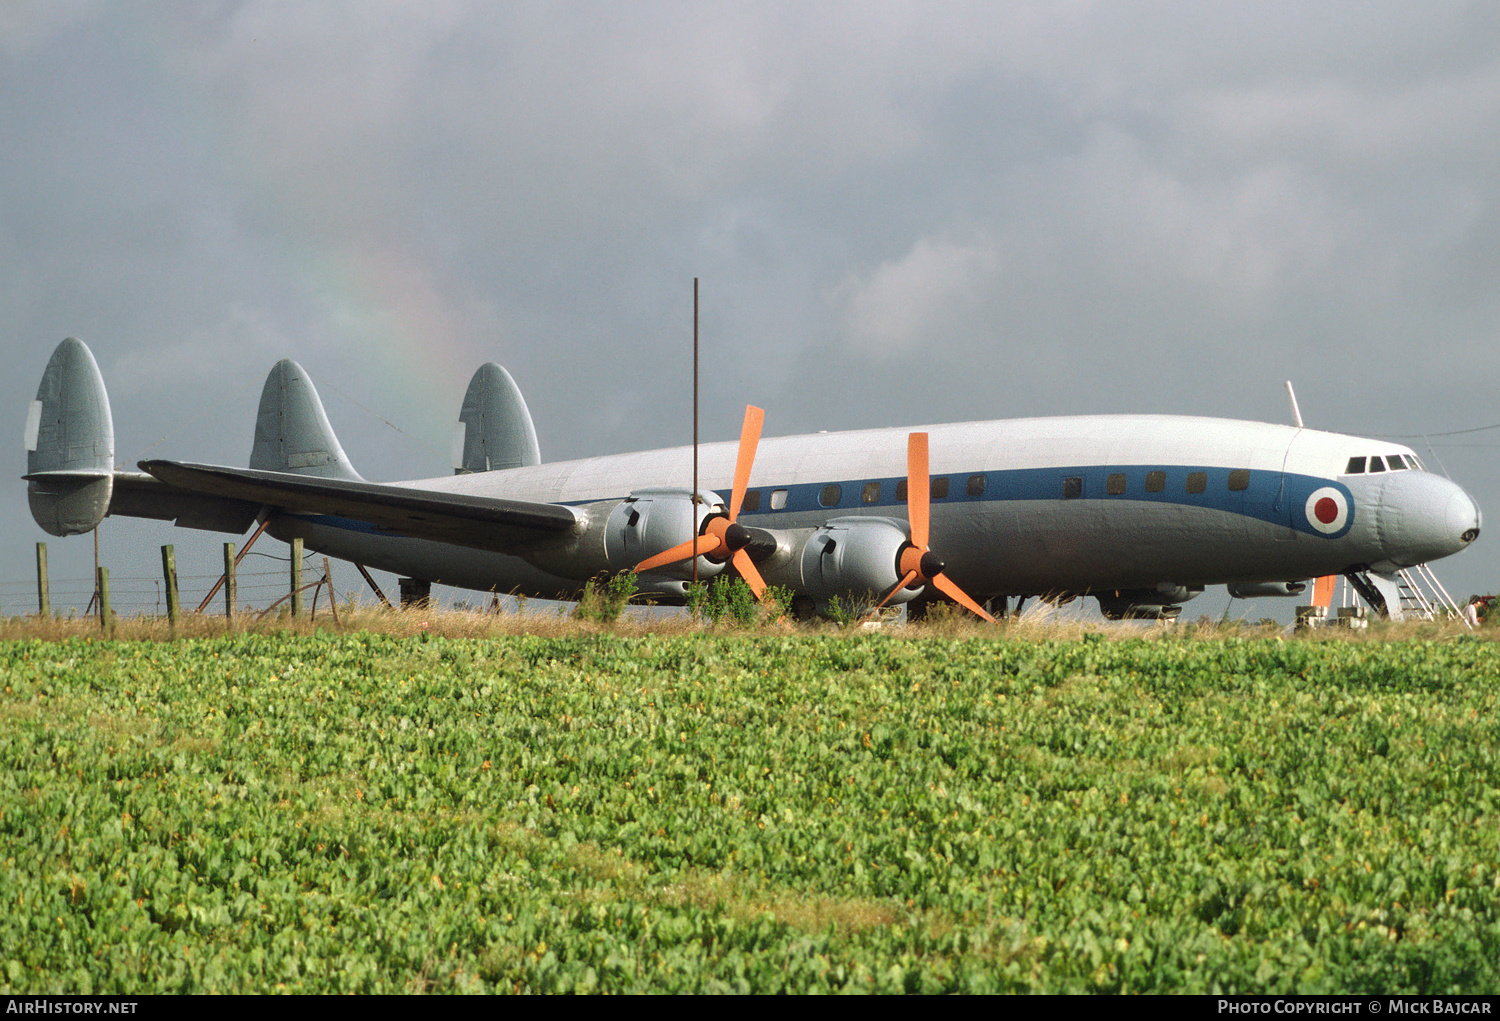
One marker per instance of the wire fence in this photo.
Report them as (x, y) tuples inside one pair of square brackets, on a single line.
[(132, 595), (141, 595)]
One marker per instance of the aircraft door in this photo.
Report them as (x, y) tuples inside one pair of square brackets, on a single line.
[(1284, 501)]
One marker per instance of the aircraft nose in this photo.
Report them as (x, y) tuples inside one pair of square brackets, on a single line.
[(1464, 518), (1423, 517)]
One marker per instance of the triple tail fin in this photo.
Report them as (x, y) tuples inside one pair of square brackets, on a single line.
[(292, 433), (70, 444), (494, 426)]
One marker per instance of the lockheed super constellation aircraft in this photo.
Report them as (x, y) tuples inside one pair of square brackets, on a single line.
[(1140, 511)]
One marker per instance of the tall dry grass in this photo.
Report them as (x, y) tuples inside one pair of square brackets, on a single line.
[(1037, 625)]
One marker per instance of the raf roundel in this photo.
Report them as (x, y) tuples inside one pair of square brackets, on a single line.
[(1327, 510)]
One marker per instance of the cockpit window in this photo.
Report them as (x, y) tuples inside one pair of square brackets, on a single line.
[(1376, 465), (1356, 466), (1396, 462)]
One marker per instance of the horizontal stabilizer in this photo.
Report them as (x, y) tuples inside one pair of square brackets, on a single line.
[(494, 427), (70, 444), (292, 433)]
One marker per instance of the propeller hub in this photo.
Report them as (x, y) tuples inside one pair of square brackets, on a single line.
[(931, 564), (736, 537)]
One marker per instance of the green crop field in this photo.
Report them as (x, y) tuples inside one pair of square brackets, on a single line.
[(768, 812)]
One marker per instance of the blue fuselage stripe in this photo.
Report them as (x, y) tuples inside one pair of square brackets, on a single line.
[(1271, 496)]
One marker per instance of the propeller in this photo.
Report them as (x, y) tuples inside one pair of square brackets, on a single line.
[(722, 536), (917, 562)]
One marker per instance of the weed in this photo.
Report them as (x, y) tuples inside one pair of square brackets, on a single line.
[(603, 604)]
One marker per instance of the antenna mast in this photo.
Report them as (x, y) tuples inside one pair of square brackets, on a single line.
[(1290, 393), (695, 431)]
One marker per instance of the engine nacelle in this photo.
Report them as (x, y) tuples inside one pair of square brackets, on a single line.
[(1268, 588), (854, 558), (652, 521), (1146, 603)]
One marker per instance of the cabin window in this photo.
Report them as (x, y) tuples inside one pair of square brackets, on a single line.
[(1239, 480), (1197, 482), (752, 501), (1072, 487), (901, 491), (976, 485), (871, 493), (940, 488), (1115, 484), (831, 495), (778, 499), (1376, 465), (1156, 482), (1356, 466)]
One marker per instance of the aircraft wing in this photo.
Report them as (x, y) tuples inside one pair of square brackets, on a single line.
[(503, 526), (138, 495)]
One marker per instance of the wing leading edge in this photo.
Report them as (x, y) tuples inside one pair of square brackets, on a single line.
[(485, 523)]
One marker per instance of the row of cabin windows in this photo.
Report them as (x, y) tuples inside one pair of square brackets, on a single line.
[(833, 493), (1392, 462), (1114, 485)]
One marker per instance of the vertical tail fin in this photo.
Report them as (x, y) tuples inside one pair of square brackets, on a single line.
[(292, 433), (70, 444), (494, 426)]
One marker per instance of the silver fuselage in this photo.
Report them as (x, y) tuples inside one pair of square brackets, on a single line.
[(1048, 505)]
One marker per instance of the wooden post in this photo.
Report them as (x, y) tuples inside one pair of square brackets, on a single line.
[(333, 599), (43, 590), (169, 573), (214, 591), (231, 590), (296, 578), (371, 581), (106, 615)]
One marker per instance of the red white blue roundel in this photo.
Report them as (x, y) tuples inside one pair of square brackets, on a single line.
[(1327, 510)]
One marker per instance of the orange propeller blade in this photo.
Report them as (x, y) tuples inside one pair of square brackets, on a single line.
[(701, 545), (918, 488), (746, 567), (959, 596), (749, 440), (910, 577)]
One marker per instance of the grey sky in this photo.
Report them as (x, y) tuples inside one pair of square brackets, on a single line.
[(900, 213)]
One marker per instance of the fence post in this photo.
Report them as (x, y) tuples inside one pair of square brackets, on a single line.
[(333, 599), (106, 615), (43, 590), (231, 589), (296, 578), (169, 571)]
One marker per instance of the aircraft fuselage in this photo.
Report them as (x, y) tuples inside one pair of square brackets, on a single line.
[(1020, 507)]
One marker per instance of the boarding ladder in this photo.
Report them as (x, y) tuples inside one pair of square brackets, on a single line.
[(1423, 596)]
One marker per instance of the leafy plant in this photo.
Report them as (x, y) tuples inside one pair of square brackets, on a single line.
[(886, 812), (603, 604), (724, 601)]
